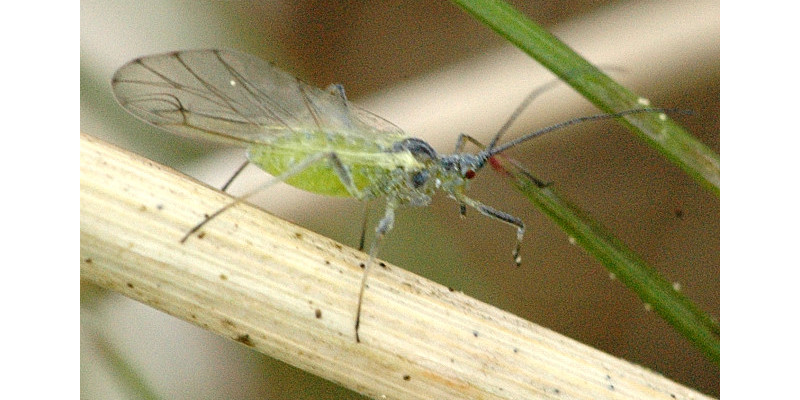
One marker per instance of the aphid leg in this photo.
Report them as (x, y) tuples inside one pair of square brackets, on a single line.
[(460, 142), (294, 170), (337, 89), (235, 175), (345, 177), (385, 225), (364, 226), (501, 216), (462, 138)]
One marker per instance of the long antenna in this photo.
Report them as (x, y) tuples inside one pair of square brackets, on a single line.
[(520, 108), (536, 93), (496, 150)]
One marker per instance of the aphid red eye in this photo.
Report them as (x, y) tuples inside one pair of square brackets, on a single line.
[(469, 174)]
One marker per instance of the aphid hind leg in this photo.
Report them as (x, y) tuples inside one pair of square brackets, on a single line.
[(501, 216), (221, 210), (234, 176), (292, 171)]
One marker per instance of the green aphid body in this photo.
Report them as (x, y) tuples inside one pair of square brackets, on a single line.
[(376, 169)]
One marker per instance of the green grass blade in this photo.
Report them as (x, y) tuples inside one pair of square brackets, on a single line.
[(127, 376), (663, 134), (626, 266), (666, 136)]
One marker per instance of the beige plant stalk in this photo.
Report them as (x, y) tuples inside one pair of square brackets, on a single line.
[(291, 294)]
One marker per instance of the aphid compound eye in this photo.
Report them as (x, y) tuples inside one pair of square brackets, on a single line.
[(420, 178), (469, 174)]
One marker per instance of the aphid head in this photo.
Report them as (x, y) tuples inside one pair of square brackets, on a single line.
[(464, 165)]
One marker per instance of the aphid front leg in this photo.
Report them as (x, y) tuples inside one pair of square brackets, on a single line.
[(501, 216), (460, 142), (463, 139)]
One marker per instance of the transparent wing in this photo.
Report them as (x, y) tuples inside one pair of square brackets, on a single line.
[(235, 97)]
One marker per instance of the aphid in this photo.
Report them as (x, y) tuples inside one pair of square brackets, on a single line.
[(309, 138)]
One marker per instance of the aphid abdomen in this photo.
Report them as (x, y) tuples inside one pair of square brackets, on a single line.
[(369, 169)]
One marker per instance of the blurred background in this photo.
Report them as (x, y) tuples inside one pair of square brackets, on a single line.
[(433, 71)]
